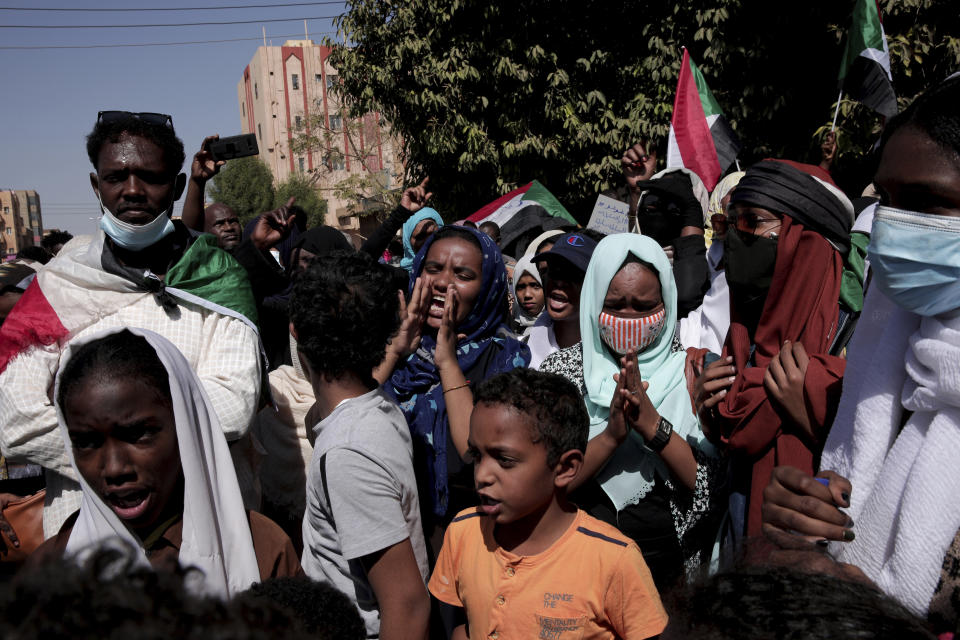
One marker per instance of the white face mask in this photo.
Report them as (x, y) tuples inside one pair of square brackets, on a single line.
[(136, 236)]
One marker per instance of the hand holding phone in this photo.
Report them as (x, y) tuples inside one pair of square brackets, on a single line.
[(234, 147)]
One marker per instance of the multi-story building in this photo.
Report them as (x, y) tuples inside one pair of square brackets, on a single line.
[(283, 90), (30, 214), (21, 223)]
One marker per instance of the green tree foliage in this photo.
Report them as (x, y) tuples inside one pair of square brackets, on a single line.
[(245, 185), (301, 187), (487, 96)]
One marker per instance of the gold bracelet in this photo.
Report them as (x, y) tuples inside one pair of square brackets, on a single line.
[(461, 386)]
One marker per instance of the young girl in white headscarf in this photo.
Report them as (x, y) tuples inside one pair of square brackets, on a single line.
[(154, 466)]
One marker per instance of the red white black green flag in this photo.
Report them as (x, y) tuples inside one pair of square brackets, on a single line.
[(700, 137), (865, 69)]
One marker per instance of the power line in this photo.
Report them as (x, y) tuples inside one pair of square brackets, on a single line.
[(152, 44), (141, 26), (237, 6)]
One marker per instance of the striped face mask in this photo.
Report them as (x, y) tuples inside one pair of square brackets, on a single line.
[(628, 334)]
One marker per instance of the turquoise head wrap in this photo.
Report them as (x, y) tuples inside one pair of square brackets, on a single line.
[(408, 228), (629, 474)]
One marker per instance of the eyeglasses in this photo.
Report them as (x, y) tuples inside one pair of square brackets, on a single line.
[(750, 222), (160, 119)]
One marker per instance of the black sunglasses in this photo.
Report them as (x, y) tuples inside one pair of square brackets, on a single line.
[(160, 119)]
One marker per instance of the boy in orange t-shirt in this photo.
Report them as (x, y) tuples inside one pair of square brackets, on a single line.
[(526, 563)]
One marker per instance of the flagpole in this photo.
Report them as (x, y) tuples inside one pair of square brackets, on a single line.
[(836, 112)]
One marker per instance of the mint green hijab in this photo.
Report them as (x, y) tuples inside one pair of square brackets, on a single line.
[(629, 474)]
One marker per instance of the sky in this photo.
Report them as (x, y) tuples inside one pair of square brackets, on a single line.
[(50, 96)]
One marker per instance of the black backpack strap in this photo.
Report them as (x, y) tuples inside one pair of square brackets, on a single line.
[(326, 492)]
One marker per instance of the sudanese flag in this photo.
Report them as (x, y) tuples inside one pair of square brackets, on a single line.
[(865, 69), (701, 140), (73, 291), (504, 208)]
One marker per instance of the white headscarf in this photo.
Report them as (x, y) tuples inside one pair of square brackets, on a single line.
[(905, 481), (524, 266), (720, 191), (216, 532), (540, 239)]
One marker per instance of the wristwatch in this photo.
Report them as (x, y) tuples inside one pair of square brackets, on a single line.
[(662, 437)]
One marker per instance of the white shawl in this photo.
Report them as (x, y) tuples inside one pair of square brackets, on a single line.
[(541, 340), (216, 532), (905, 500), (706, 327)]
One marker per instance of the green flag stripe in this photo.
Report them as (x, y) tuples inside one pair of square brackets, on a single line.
[(710, 105), (866, 32), (207, 271), (539, 194)]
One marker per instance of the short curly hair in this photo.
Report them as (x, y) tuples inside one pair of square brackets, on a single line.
[(344, 309), (553, 404), (110, 595), (160, 135), (776, 602), (53, 238), (324, 612)]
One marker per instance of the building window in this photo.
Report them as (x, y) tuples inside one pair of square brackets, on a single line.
[(9, 230), (297, 120), (318, 78), (338, 163), (336, 123), (301, 163), (256, 96), (329, 81), (295, 81), (259, 133), (243, 108)]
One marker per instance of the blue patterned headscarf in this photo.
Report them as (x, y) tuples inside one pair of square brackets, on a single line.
[(408, 228), (488, 349)]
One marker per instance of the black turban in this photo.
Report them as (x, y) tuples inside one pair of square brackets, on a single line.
[(782, 188)]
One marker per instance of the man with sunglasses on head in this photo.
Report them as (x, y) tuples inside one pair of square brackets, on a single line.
[(140, 269)]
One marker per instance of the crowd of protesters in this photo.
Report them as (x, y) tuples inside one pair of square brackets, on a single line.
[(738, 419)]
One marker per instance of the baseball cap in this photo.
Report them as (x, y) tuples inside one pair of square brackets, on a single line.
[(571, 248)]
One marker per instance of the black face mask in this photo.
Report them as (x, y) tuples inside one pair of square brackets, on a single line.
[(659, 218), (750, 262)]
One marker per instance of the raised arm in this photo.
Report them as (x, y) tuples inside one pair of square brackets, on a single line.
[(407, 339), (456, 388), (643, 417), (202, 169), (413, 199)]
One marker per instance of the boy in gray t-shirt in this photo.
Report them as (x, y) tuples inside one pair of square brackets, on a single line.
[(361, 530)]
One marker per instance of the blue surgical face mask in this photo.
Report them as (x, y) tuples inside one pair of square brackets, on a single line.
[(915, 259), (136, 236)]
